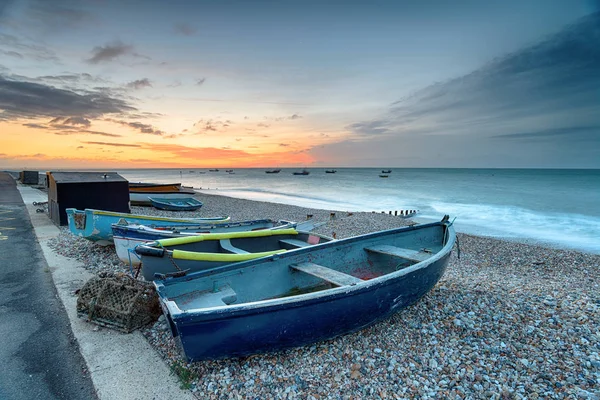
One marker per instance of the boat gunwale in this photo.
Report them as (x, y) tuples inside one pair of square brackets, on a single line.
[(93, 211), (226, 311)]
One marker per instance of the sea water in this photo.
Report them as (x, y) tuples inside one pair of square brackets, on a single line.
[(560, 208)]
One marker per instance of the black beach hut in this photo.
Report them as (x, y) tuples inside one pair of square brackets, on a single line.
[(100, 190)]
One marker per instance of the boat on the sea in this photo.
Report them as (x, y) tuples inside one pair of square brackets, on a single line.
[(128, 236), (184, 204), (182, 255), (330, 171), (304, 296), (213, 170), (272, 171), (386, 171), (229, 170), (384, 176), (95, 225), (303, 172)]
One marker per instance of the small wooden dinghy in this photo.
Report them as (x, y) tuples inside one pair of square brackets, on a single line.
[(184, 204), (306, 295), (128, 236), (181, 255), (95, 225)]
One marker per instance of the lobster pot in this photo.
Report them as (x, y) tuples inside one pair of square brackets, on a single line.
[(118, 301)]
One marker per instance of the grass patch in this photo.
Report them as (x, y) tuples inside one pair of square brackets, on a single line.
[(183, 373)]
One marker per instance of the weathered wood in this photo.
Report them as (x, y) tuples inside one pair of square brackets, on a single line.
[(224, 296), (408, 254), (226, 245), (330, 275), (295, 243)]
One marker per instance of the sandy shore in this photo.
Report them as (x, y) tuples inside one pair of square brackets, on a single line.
[(507, 320)]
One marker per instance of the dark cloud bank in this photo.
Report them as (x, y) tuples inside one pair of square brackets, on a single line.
[(535, 107)]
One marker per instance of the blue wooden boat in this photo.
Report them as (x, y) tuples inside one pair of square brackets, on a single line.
[(185, 204), (128, 236), (195, 253), (306, 295), (95, 225)]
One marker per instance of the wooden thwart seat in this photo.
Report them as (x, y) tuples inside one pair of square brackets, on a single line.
[(408, 254), (327, 274), (294, 243), (226, 245), (224, 296)]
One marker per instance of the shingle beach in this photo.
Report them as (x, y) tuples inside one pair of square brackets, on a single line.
[(507, 320)]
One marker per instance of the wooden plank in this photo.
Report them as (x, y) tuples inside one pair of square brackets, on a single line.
[(224, 296), (330, 275), (294, 242), (226, 245), (408, 254)]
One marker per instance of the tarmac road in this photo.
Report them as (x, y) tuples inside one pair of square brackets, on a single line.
[(39, 357)]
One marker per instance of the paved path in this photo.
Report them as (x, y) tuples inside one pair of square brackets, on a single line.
[(39, 357)]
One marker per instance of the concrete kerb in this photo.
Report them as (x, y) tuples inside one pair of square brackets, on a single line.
[(122, 366)]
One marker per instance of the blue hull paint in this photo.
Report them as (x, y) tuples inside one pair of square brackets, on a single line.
[(272, 324), (186, 204), (95, 225)]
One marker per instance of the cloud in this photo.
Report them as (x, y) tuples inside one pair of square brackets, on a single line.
[(139, 84), (22, 99), (36, 126), (87, 132), (12, 54), (185, 29), (113, 144), (200, 82), (72, 121), (109, 52), (143, 128), (69, 78), (26, 49), (56, 15), (263, 125), (546, 93), (80, 147), (294, 116), (283, 144), (175, 84)]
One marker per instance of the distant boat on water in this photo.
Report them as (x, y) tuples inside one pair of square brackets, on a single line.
[(229, 170), (330, 171), (386, 171), (272, 171), (303, 172), (383, 176), (213, 170)]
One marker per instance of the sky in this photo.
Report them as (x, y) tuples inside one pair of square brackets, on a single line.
[(260, 83)]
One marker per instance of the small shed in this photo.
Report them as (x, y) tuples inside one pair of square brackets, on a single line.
[(99, 190), (29, 177)]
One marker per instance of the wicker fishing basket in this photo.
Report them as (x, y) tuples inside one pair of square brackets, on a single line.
[(116, 300)]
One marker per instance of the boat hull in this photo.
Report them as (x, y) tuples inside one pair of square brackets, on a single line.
[(96, 225), (127, 237), (143, 198), (247, 332), (165, 263), (183, 204), (236, 330), (154, 187)]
